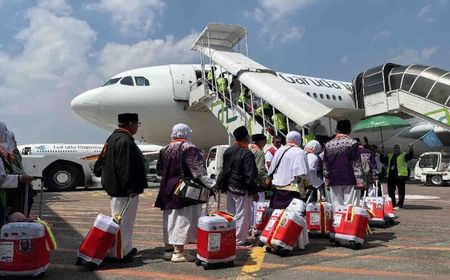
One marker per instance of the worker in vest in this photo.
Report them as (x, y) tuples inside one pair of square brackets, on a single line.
[(270, 153), (222, 84), (397, 173), (279, 122), (210, 77), (242, 99)]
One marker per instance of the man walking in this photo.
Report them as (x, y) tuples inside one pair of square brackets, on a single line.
[(238, 177), (397, 173), (123, 176), (342, 164)]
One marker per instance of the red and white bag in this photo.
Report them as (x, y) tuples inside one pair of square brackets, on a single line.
[(319, 216), (99, 240), (104, 235), (261, 217), (350, 223), (267, 233), (286, 228), (24, 249), (216, 239)]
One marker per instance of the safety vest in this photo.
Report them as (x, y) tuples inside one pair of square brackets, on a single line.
[(222, 84), (209, 77), (261, 108), (402, 167), (242, 97), (279, 120)]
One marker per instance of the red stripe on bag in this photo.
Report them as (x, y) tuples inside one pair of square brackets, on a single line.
[(119, 244)]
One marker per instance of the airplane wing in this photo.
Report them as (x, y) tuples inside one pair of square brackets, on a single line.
[(217, 42)]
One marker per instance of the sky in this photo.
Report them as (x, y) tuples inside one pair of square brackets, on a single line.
[(52, 50)]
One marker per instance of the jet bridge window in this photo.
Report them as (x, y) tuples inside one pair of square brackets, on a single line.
[(141, 81), (112, 81), (128, 81)]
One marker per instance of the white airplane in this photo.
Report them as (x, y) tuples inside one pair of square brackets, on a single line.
[(160, 94), (83, 151)]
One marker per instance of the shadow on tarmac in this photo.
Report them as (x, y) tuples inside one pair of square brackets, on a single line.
[(421, 207)]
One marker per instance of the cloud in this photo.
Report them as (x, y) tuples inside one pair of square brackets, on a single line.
[(344, 60), (134, 18), (115, 58), (38, 83), (274, 17), (431, 11), (411, 56), (383, 34)]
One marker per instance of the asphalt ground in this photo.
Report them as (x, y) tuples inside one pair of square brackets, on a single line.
[(418, 247)]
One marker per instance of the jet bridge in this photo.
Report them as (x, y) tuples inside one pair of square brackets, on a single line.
[(418, 90), (224, 47)]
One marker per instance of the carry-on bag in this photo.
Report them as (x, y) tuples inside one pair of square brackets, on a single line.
[(101, 238), (261, 217), (25, 246), (267, 233), (350, 223), (216, 239), (319, 215)]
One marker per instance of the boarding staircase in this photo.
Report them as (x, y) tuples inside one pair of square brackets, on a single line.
[(221, 46), (417, 90)]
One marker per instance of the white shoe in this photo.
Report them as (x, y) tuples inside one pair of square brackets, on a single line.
[(167, 256), (182, 257), (396, 208)]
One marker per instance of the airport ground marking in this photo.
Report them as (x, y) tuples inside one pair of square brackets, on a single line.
[(253, 263)]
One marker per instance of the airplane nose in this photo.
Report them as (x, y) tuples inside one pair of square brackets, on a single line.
[(86, 101)]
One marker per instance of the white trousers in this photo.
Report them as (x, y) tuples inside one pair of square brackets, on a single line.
[(340, 195), (241, 207), (180, 225), (117, 204)]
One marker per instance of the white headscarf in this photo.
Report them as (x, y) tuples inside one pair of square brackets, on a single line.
[(294, 137), (3, 132), (181, 131), (10, 141), (313, 146)]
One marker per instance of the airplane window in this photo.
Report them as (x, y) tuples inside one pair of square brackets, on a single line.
[(141, 81), (328, 97), (111, 81), (321, 96), (315, 95), (128, 81), (309, 94), (334, 97), (340, 98)]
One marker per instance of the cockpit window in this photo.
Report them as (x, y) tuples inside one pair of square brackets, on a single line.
[(111, 81), (141, 81), (128, 81)]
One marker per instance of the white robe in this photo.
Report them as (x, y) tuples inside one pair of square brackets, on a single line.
[(180, 225)]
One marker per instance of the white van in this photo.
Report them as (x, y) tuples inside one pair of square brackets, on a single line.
[(433, 168), (214, 160)]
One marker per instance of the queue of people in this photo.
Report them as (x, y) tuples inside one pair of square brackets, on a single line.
[(295, 170)]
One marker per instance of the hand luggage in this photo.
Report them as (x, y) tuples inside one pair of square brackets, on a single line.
[(388, 208), (25, 246), (319, 215), (216, 239), (268, 231), (101, 238), (286, 229), (350, 223), (261, 217), (380, 207)]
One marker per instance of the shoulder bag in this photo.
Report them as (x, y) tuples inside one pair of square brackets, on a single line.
[(269, 178)]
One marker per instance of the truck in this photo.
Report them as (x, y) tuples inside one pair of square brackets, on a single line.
[(432, 168), (214, 160), (64, 167)]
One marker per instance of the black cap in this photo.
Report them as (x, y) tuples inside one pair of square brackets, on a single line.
[(258, 137), (127, 118), (240, 133)]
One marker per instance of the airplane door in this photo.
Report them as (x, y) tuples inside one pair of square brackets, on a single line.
[(183, 76)]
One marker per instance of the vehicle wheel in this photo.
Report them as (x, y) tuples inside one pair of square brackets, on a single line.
[(268, 250), (206, 266), (79, 262), (63, 176), (198, 262), (436, 180), (92, 266)]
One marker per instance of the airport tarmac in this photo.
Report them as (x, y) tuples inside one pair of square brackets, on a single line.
[(418, 247)]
